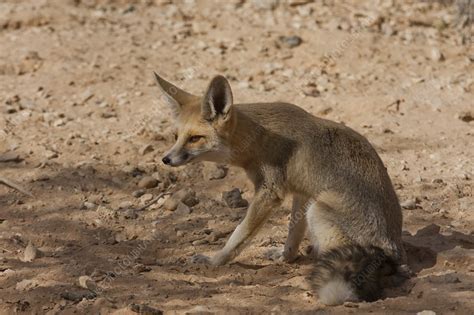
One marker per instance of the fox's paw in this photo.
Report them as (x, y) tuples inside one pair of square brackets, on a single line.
[(279, 254), (201, 259)]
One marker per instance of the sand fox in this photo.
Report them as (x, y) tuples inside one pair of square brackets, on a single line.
[(341, 191)]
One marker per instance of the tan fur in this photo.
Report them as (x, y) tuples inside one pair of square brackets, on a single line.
[(334, 174)]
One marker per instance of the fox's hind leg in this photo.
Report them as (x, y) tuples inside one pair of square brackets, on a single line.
[(296, 232), (296, 228), (325, 233)]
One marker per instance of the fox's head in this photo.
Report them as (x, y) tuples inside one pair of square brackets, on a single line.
[(204, 124)]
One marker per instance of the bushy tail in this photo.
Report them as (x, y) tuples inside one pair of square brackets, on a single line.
[(351, 273)]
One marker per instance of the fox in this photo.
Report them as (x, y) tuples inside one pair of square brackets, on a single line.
[(342, 195)]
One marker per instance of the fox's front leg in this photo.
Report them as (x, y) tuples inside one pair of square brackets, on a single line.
[(264, 202)]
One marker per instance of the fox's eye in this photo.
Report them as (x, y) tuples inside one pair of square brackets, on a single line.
[(194, 139)]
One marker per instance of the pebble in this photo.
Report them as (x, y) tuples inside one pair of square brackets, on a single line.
[(148, 182), (436, 54), (138, 193), (88, 205), (183, 209), (26, 284), (125, 205), (289, 41), (85, 96), (426, 312), (212, 171), (30, 253), (234, 199), (87, 283), (466, 116), (130, 214), (146, 198), (408, 204), (144, 309), (77, 296), (186, 196), (146, 149)]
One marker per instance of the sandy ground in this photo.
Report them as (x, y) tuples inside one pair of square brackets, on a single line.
[(82, 124)]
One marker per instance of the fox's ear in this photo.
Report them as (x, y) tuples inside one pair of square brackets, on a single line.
[(173, 95), (218, 99)]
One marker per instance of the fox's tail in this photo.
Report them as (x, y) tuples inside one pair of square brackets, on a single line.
[(351, 273)]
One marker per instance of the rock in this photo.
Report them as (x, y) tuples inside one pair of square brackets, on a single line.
[(10, 157), (186, 196), (144, 309), (26, 284), (148, 182), (138, 193), (87, 283), (88, 205), (212, 171), (125, 205), (77, 296), (130, 214), (289, 41), (436, 54), (266, 4), (183, 209), (429, 230), (311, 90), (30, 253), (234, 199), (444, 279), (146, 198), (147, 148), (426, 312), (85, 96), (466, 116), (409, 204)]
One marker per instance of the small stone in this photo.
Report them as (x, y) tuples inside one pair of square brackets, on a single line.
[(130, 214), (26, 284), (466, 116), (213, 171), (85, 96), (186, 196), (148, 182), (88, 205), (144, 309), (409, 204), (30, 253), (77, 296), (179, 233), (234, 199), (183, 209), (443, 279), (138, 193), (426, 312), (10, 157), (146, 149), (289, 41), (436, 54), (146, 198), (266, 4), (87, 283), (125, 205)]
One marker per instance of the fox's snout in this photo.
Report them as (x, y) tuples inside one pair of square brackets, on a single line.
[(175, 159)]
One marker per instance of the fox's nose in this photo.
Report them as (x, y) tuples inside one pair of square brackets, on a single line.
[(166, 160)]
